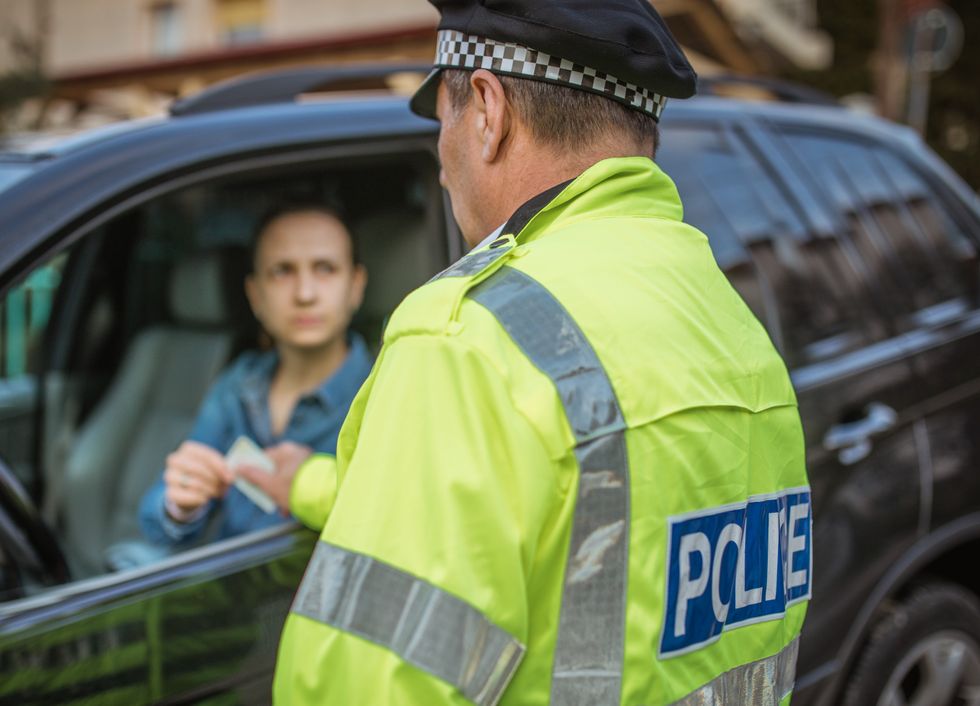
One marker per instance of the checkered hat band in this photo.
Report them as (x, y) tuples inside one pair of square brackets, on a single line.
[(466, 51)]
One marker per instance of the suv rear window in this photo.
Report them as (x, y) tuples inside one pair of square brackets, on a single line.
[(895, 219), (795, 282)]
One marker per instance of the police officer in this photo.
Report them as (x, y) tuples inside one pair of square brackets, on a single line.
[(576, 473)]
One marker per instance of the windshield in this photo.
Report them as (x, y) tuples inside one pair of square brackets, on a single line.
[(10, 174)]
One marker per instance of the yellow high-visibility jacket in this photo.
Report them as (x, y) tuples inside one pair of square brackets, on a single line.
[(575, 476)]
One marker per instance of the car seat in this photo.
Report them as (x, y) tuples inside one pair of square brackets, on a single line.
[(148, 409), (401, 250)]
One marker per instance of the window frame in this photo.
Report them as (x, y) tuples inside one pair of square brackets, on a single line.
[(230, 33), (814, 203), (67, 313), (963, 206), (915, 157), (763, 144), (166, 37)]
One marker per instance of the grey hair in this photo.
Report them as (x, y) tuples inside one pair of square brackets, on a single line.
[(562, 117)]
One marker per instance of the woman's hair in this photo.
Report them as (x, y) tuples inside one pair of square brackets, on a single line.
[(560, 116), (288, 208)]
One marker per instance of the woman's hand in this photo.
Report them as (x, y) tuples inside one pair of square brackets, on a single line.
[(194, 475)]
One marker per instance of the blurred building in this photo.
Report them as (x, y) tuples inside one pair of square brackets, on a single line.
[(109, 59), (784, 31)]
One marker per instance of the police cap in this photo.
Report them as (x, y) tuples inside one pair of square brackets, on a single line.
[(621, 49)]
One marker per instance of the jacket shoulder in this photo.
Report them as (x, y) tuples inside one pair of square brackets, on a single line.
[(434, 308)]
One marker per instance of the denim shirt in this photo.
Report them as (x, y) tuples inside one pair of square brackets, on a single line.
[(238, 404)]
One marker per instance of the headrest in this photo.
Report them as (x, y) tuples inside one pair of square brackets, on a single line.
[(398, 250), (197, 290)]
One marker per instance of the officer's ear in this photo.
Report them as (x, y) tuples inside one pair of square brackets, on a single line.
[(492, 112)]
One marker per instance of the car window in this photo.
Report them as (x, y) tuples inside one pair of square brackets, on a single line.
[(895, 221), (145, 312), (929, 243), (797, 283)]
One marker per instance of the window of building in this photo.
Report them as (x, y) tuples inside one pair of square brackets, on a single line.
[(241, 21), (166, 32)]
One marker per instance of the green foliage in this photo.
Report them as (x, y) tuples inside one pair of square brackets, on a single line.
[(19, 85), (953, 128), (954, 113), (26, 79), (854, 29)]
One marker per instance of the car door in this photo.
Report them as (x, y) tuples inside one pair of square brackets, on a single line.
[(194, 625), (936, 231), (135, 636), (860, 403), (203, 623)]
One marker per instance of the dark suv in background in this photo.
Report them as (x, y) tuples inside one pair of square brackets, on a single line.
[(851, 241)]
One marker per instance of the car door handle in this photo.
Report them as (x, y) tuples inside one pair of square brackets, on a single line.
[(853, 439)]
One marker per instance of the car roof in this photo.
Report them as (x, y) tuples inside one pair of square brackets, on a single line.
[(44, 146), (40, 147), (838, 118), (62, 183), (53, 183)]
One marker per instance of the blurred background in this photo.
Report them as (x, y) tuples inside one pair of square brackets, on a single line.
[(67, 65)]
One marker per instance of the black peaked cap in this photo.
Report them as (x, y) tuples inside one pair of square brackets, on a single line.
[(625, 39)]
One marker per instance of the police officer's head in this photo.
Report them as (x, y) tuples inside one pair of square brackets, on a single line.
[(550, 85)]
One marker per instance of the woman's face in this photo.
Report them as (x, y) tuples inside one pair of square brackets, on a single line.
[(305, 286)]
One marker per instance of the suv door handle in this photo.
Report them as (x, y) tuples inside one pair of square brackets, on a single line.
[(853, 439)]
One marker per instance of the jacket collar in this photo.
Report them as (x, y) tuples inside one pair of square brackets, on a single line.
[(530, 208), (620, 186)]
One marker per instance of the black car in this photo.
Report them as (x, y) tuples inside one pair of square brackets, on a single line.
[(121, 259)]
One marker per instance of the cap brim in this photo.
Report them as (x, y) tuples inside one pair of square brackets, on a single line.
[(423, 102)]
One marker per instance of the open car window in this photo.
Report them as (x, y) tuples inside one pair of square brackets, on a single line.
[(127, 352)]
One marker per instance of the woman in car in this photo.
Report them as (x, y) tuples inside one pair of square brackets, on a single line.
[(305, 285)]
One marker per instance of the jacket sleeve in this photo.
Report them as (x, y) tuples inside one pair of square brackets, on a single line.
[(446, 481), (314, 488)]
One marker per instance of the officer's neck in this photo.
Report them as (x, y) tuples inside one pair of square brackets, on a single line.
[(530, 167)]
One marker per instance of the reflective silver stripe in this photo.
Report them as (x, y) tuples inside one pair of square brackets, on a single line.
[(762, 683), (425, 626), (550, 338), (588, 659), (473, 262)]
